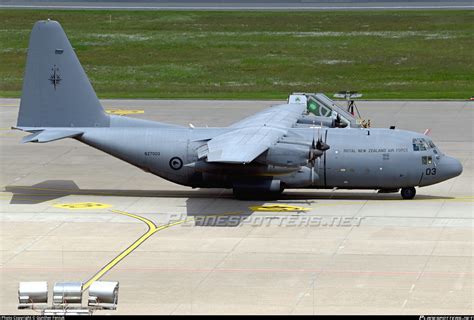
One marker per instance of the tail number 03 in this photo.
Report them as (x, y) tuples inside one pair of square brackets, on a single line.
[(430, 171)]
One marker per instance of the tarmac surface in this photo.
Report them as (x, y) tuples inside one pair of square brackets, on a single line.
[(239, 4), (69, 211)]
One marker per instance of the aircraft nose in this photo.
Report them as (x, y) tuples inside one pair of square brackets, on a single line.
[(451, 167)]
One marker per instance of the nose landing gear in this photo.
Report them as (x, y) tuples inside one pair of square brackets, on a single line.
[(408, 193)]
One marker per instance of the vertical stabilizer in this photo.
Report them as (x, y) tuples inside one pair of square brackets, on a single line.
[(56, 91)]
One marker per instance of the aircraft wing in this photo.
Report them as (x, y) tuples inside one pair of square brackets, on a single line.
[(284, 115), (252, 136)]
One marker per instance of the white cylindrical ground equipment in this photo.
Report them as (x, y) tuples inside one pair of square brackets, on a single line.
[(33, 292), (103, 294), (67, 292)]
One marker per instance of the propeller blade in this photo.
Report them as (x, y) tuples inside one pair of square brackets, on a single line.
[(316, 150), (321, 146)]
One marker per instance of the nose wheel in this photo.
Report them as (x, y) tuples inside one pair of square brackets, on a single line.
[(408, 193)]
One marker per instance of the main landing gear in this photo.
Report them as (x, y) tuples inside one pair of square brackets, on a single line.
[(408, 193)]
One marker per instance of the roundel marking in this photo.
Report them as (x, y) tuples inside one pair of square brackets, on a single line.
[(176, 163)]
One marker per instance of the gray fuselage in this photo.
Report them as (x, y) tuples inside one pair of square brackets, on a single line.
[(357, 158)]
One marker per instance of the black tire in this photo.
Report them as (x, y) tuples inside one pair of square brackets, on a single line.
[(408, 193)]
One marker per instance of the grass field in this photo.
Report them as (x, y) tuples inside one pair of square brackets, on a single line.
[(257, 55)]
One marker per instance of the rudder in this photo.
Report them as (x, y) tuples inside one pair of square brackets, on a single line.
[(56, 91)]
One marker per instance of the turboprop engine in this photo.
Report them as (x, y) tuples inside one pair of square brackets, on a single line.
[(287, 153), (329, 122)]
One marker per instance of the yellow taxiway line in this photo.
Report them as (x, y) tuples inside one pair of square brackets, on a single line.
[(124, 112), (152, 228)]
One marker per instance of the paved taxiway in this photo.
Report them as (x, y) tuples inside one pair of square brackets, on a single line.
[(388, 256)]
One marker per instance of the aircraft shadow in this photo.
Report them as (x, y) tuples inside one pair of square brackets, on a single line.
[(54, 189), (353, 195), (217, 214), (197, 203)]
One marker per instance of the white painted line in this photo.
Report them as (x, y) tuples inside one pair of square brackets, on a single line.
[(404, 303)]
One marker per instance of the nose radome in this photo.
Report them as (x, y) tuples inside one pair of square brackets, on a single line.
[(451, 167)]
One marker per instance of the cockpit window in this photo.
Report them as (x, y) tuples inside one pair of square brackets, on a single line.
[(420, 144), (431, 144)]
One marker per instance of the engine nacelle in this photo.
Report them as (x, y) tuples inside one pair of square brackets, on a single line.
[(285, 155), (315, 120)]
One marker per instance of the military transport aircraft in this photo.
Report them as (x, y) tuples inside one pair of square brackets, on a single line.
[(302, 144)]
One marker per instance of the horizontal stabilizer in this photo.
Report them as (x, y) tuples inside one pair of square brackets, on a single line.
[(50, 135)]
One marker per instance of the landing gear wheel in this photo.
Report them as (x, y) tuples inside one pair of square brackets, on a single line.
[(408, 193)]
